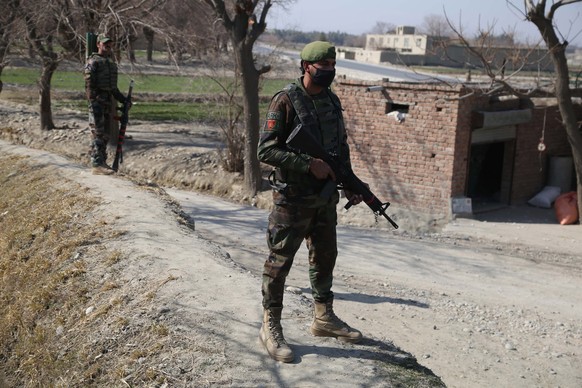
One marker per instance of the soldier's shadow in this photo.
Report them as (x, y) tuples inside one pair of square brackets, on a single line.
[(367, 349), (372, 299)]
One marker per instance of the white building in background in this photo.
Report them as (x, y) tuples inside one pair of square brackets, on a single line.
[(406, 47), (404, 40)]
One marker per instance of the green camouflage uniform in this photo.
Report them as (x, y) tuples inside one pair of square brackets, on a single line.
[(299, 212), (100, 85)]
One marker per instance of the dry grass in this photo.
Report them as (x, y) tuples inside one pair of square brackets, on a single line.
[(68, 314), (45, 231)]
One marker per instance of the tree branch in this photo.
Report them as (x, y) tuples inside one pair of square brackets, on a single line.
[(557, 5), (220, 10)]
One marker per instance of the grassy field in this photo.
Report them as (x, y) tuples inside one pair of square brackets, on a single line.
[(174, 93)]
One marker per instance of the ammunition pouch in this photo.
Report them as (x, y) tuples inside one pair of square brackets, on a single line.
[(322, 189)]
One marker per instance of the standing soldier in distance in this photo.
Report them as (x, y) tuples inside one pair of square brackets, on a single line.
[(100, 85), (299, 212)]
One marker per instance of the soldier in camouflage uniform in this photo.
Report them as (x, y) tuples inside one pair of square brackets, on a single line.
[(100, 86), (299, 212)]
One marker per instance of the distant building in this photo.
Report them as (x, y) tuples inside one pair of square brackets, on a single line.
[(405, 46), (404, 40)]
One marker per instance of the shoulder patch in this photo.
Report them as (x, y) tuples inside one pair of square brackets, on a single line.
[(273, 115), (273, 120)]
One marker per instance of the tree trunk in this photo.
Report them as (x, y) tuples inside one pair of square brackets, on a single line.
[(566, 107), (3, 51), (149, 35), (569, 117), (250, 83), (557, 52), (131, 52), (244, 28), (4, 41), (44, 91)]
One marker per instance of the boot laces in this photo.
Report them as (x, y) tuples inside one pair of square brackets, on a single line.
[(277, 333), (336, 320)]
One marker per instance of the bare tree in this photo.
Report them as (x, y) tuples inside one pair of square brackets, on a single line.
[(8, 19), (244, 27), (40, 27), (192, 28), (544, 21), (232, 157), (382, 28), (149, 35), (436, 25)]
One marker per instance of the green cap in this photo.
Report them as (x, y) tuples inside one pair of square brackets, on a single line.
[(102, 38), (317, 51)]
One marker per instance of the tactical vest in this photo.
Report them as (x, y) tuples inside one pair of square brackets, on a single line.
[(321, 116), (105, 73)]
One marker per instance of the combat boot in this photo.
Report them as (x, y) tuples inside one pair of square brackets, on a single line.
[(99, 157), (102, 169), (272, 338), (327, 324)]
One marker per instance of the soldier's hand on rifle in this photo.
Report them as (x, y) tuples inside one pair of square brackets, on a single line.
[(353, 198), (99, 99), (320, 169), (126, 103)]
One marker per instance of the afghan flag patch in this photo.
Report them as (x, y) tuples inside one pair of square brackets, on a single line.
[(273, 120)]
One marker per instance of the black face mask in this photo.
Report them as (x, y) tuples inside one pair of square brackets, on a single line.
[(323, 77)]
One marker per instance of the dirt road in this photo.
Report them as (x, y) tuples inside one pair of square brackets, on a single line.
[(474, 312)]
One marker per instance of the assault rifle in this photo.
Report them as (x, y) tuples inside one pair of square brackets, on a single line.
[(123, 120), (304, 142)]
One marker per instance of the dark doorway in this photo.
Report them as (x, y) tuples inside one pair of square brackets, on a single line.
[(485, 173)]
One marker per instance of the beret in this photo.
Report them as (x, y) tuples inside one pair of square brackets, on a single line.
[(317, 51)]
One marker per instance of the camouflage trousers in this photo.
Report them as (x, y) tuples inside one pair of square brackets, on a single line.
[(100, 119), (289, 225)]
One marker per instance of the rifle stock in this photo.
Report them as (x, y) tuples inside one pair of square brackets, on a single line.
[(122, 127), (304, 142)]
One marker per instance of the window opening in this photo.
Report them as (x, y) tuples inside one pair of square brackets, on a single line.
[(393, 106)]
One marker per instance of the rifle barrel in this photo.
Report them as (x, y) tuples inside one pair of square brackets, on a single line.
[(122, 127)]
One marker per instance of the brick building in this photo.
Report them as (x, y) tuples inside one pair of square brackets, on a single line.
[(428, 147)]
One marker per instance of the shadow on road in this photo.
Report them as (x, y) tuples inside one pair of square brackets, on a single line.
[(522, 214), (385, 353)]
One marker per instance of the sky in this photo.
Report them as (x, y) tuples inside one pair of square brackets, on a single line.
[(359, 16)]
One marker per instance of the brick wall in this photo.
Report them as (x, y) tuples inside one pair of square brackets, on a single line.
[(414, 163), (422, 162)]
